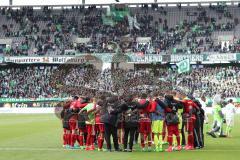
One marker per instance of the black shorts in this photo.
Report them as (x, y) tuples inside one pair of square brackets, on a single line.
[(66, 125), (81, 125)]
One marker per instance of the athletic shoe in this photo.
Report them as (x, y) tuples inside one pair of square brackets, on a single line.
[(67, 146), (107, 150), (76, 146), (82, 147), (222, 136), (143, 150), (71, 147), (170, 149), (189, 148), (149, 149), (164, 143), (63, 146), (125, 150), (212, 134), (160, 150), (92, 148), (185, 147), (104, 150), (117, 150), (178, 148), (100, 149), (87, 148)]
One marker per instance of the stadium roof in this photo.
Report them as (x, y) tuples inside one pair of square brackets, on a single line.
[(79, 2)]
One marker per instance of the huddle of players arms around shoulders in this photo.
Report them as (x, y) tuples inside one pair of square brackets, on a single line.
[(173, 121)]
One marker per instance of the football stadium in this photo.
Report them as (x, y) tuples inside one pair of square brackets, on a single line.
[(119, 79)]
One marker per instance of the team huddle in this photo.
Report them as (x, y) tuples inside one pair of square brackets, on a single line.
[(174, 119)]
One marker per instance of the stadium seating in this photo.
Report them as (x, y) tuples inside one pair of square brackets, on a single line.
[(171, 29)]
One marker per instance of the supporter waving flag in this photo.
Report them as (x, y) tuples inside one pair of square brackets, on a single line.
[(183, 66)]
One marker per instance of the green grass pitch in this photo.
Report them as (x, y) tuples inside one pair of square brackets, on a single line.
[(38, 137)]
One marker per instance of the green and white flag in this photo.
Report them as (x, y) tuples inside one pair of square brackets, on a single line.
[(108, 20), (183, 66), (130, 22), (135, 23)]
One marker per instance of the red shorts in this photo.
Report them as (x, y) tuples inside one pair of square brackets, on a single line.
[(72, 124), (90, 129), (145, 127), (99, 127), (190, 124), (173, 130)]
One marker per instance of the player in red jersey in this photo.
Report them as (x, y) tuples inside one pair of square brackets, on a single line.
[(172, 121), (74, 108), (90, 123), (66, 128), (99, 126), (189, 108), (81, 122), (145, 123)]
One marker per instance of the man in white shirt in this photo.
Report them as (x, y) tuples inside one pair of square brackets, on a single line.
[(203, 102), (230, 110), (204, 107)]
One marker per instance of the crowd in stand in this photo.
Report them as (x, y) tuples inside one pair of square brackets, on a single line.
[(29, 82), (112, 81), (48, 81), (52, 32), (213, 81)]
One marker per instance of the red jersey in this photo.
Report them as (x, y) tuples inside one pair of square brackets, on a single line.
[(153, 106), (77, 104), (188, 105), (98, 115), (97, 118), (80, 105), (144, 113), (73, 104)]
